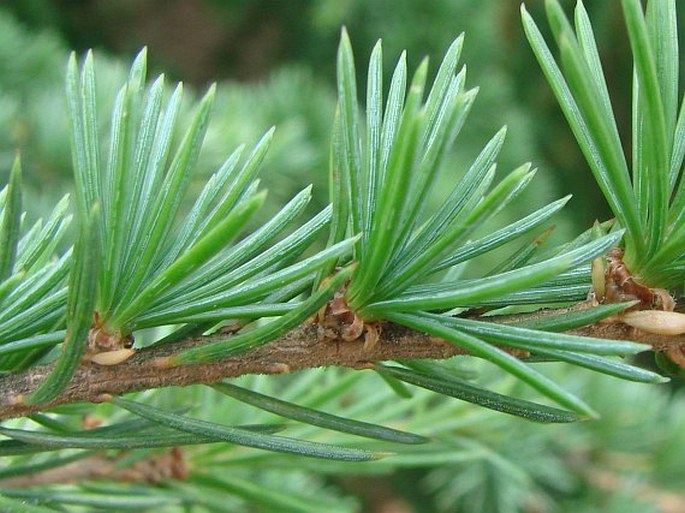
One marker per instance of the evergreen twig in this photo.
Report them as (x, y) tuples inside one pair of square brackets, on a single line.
[(297, 350)]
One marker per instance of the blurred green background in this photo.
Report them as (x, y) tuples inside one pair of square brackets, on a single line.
[(275, 65), (275, 62)]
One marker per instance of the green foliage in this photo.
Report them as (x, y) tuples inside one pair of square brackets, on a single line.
[(145, 257), (384, 181), (266, 332), (245, 437), (316, 418), (11, 221), (33, 286), (82, 288), (382, 172), (461, 389), (141, 190), (474, 456), (647, 201)]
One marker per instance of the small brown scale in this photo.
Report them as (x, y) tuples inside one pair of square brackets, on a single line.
[(105, 347), (621, 286), (616, 284), (337, 321)]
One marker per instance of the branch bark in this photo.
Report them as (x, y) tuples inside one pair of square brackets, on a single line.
[(297, 350)]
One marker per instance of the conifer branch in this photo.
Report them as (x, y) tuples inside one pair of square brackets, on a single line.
[(299, 349)]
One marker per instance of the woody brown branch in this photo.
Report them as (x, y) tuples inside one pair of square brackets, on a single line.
[(297, 350)]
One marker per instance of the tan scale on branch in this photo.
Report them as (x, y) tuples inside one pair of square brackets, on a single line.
[(297, 350)]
